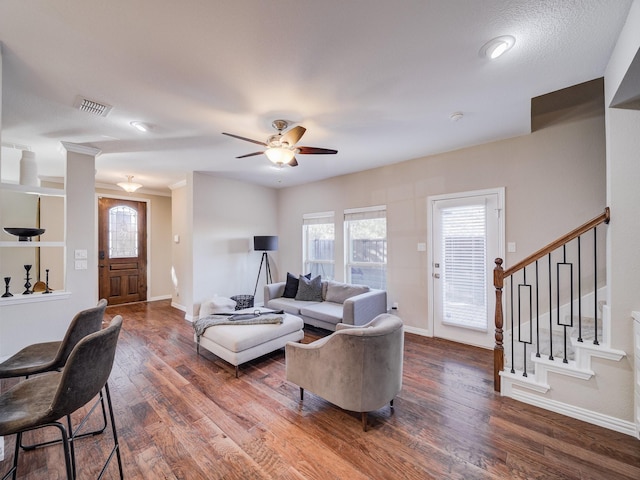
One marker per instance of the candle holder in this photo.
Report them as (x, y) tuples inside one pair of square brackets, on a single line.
[(6, 288), (27, 284), (47, 289)]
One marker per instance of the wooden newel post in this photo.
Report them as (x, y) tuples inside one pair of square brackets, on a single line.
[(498, 350)]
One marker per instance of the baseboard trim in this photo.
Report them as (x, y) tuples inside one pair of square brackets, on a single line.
[(589, 416), (178, 306), (417, 331), (159, 297)]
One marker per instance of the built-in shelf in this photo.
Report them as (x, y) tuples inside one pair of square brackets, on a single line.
[(34, 297), (52, 249), (12, 187), (30, 244)]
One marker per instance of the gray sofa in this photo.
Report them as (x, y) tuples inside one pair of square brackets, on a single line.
[(358, 309)]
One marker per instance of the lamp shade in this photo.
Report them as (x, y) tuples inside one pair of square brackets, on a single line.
[(279, 155), (265, 242)]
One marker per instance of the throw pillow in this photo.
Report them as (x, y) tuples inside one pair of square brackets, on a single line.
[(216, 305), (291, 287), (339, 292), (309, 290)]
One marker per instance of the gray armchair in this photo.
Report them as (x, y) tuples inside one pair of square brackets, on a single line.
[(357, 368)]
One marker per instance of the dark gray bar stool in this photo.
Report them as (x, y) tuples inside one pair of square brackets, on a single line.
[(42, 400), (51, 356)]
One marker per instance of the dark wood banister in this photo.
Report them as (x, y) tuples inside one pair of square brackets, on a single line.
[(498, 282)]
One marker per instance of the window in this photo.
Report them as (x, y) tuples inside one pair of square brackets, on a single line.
[(123, 232), (465, 266), (318, 236), (366, 246)]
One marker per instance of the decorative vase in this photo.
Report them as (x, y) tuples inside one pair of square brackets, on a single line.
[(29, 169)]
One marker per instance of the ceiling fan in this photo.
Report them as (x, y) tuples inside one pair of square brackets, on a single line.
[(281, 147)]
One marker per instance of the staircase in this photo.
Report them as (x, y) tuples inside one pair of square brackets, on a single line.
[(557, 325)]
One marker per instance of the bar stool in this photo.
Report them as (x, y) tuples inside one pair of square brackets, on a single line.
[(42, 400), (51, 356)]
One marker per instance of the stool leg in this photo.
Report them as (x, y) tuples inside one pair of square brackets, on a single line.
[(72, 447), (116, 446), (69, 457), (73, 434), (14, 468), (69, 454)]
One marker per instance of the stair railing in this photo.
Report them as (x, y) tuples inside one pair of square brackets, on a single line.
[(526, 306)]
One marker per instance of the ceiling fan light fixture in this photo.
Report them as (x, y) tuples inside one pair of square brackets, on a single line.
[(497, 47), (129, 186), (279, 155)]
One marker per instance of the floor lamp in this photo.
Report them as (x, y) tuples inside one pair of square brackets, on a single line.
[(264, 243)]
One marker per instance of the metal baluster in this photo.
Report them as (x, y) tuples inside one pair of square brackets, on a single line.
[(564, 325), (537, 314), (550, 316), (513, 360), (579, 293), (595, 284), (524, 342)]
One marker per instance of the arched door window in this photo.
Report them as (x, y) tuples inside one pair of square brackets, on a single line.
[(123, 232)]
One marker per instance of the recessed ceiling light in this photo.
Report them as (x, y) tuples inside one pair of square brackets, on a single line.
[(497, 46), (143, 127)]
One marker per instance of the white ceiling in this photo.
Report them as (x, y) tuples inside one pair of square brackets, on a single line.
[(375, 79)]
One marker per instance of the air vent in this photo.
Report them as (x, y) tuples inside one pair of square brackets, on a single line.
[(91, 106)]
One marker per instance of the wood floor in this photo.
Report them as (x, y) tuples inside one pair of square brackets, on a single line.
[(183, 416)]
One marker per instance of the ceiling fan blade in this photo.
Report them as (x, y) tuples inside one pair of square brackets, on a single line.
[(315, 150), (293, 162), (293, 136), (250, 154), (245, 139)]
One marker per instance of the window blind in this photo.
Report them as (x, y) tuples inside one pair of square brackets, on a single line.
[(464, 286), (318, 218)]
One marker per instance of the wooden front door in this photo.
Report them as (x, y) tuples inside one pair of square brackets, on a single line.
[(122, 250)]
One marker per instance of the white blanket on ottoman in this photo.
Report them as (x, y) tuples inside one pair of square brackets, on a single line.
[(237, 343)]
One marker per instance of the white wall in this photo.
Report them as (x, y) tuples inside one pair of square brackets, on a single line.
[(623, 192), (226, 214), (182, 249), (623, 195)]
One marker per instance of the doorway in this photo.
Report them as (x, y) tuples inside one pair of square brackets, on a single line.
[(122, 250), (467, 234)]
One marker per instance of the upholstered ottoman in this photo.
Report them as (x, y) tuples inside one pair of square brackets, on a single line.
[(238, 344)]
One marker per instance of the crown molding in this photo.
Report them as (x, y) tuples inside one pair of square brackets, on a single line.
[(83, 149)]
